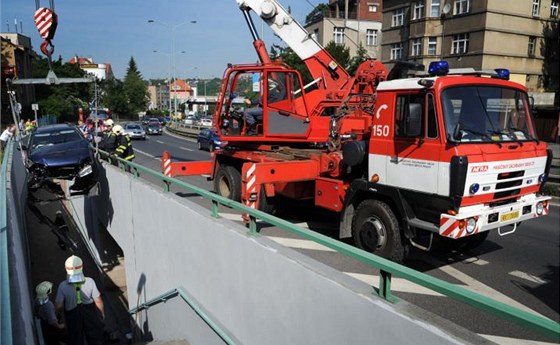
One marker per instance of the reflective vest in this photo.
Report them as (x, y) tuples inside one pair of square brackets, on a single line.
[(124, 147)]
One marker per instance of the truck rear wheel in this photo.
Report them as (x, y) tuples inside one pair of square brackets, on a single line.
[(228, 182), (376, 229)]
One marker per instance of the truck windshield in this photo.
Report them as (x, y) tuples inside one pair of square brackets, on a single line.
[(487, 114)]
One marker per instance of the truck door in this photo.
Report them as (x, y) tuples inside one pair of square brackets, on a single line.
[(413, 159)]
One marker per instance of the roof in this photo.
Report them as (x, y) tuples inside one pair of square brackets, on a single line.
[(182, 86)]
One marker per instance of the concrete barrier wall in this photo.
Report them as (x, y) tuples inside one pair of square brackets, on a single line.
[(261, 292), (21, 293)]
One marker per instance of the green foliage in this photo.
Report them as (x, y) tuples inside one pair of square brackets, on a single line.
[(114, 97), (340, 53), (135, 89), (62, 100), (290, 58), (316, 14), (361, 56)]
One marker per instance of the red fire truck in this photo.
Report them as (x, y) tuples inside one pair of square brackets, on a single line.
[(448, 154)]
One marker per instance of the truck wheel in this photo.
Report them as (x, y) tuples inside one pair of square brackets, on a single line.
[(266, 204), (376, 229), (228, 182)]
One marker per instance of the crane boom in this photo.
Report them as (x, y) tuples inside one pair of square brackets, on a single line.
[(319, 62)]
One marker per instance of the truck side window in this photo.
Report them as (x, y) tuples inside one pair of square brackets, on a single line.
[(409, 116), (432, 119)]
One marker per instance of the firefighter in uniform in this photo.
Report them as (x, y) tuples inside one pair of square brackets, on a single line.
[(124, 148), (108, 139), (53, 330), (83, 307)]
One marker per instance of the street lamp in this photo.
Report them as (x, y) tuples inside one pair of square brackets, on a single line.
[(173, 28), (169, 55)]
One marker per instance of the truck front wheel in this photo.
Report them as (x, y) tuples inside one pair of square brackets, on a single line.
[(227, 182), (376, 229)]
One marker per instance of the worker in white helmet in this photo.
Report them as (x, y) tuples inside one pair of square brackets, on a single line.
[(124, 148), (53, 330), (79, 297), (108, 140)]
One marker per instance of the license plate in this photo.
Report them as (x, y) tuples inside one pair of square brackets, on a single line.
[(509, 216)]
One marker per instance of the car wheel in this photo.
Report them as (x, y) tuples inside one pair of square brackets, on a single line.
[(375, 229), (228, 182), (199, 146)]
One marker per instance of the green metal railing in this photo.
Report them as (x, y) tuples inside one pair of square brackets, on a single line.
[(387, 268), (5, 301), (190, 301)]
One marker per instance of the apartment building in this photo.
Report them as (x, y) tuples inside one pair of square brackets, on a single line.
[(349, 23), (520, 35)]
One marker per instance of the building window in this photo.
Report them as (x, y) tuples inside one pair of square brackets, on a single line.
[(554, 9), (396, 51), (461, 6), (416, 47), (418, 9), (398, 17), (460, 44), (338, 35), (531, 46), (432, 45), (434, 9), (371, 37), (372, 7), (536, 7)]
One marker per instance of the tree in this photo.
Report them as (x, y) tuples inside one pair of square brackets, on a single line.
[(114, 97), (361, 56), (340, 53), (316, 14), (62, 100), (135, 89)]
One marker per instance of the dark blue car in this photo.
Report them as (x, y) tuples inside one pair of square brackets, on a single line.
[(208, 140), (60, 152)]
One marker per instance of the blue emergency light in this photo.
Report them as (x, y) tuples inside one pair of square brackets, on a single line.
[(438, 68), (502, 73)]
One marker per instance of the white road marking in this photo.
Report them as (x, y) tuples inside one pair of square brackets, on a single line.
[(397, 284), (512, 341), (146, 154), (159, 141), (475, 260), (300, 244), (527, 276), (185, 148), (483, 289)]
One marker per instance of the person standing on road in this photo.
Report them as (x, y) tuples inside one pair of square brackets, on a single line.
[(53, 330), (124, 144), (83, 307)]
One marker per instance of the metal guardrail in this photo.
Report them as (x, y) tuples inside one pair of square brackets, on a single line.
[(190, 131), (5, 301), (387, 268), (190, 301)]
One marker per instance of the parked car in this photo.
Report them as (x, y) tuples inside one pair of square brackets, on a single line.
[(206, 122), (135, 131), (189, 120), (60, 151), (208, 140), (154, 128)]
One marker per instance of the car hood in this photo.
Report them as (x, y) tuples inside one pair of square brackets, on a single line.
[(71, 153)]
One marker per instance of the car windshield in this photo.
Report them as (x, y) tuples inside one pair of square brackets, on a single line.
[(153, 123), (54, 138), (133, 127), (488, 114)]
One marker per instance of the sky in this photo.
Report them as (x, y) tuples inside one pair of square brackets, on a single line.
[(113, 31)]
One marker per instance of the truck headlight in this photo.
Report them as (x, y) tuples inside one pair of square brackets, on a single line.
[(539, 208), (471, 225), (86, 170)]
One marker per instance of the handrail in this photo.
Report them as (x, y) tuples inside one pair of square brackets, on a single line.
[(190, 301), (387, 268), (5, 301)]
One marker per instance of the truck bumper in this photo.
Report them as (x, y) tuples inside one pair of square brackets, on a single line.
[(475, 219)]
